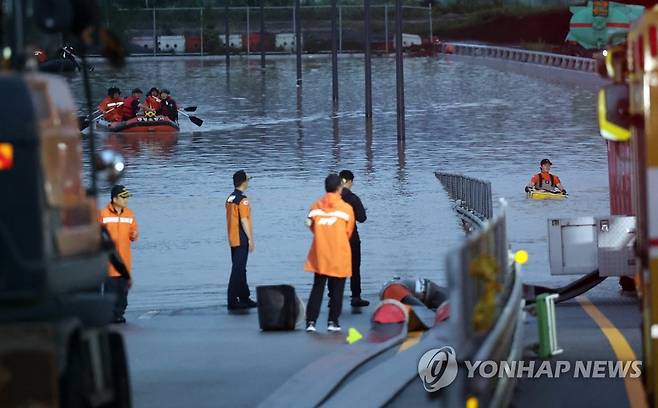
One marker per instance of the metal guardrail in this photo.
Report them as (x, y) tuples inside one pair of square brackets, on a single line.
[(479, 275), (472, 197), (485, 291), (520, 55), (486, 318)]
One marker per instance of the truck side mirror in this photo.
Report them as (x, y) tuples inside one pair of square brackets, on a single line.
[(611, 63), (110, 163), (614, 116)]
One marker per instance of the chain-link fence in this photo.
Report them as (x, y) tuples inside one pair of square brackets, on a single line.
[(196, 30)]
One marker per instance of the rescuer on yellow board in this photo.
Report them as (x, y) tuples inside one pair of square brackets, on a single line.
[(544, 180)]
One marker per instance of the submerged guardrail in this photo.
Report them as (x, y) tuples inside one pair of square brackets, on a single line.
[(472, 198), (521, 55)]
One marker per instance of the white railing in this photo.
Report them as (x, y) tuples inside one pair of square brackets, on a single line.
[(520, 55)]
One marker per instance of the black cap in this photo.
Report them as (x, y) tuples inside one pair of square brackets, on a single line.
[(137, 90), (332, 182), (347, 175), (111, 91), (240, 177), (165, 90), (541, 163), (120, 191)]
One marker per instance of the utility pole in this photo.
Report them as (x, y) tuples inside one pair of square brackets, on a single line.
[(334, 55), (367, 65), (399, 70), (298, 40)]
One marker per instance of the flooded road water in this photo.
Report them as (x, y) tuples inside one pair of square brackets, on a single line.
[(461, 118)]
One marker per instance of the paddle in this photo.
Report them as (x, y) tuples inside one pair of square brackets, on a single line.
[(85, 122), (193, 119), (186, 109), (85, 119)]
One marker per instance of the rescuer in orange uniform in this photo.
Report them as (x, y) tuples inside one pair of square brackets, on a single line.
[(121, 223), (241, 241), (131, 105), (152, 101), (332, 221), (545, 180), (110, 107)]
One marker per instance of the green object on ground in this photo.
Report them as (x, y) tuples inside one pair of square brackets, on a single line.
[(547, 328)]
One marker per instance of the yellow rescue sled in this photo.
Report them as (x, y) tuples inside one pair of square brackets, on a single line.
[(545, 195)]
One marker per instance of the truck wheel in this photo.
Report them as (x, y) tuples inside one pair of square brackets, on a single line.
[(119, 366), (73, 383)]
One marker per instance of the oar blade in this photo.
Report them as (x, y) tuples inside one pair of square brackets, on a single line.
[(196, 121), (190, 109)]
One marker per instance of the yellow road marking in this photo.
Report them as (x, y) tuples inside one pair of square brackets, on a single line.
[(412, 339), (623, 351)]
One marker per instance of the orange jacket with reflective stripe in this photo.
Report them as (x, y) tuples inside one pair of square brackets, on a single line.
[(332, 225), (546, 178), (123, 230), (237, 207), (153, 103), (111, 113)]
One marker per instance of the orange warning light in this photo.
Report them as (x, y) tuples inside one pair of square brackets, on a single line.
[(6, 156)]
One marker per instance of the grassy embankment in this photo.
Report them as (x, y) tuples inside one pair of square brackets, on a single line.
[(542, 29)]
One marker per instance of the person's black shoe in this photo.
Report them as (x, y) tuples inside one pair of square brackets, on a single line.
[(249, 303), (237, 306), (358, 302), (119, 320)]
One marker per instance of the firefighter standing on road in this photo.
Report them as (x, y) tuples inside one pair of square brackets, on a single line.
[(121, 224), (241, 241), (330, 258), (355, 241)]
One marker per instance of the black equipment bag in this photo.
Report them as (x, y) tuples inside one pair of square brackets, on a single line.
[(279, 308)]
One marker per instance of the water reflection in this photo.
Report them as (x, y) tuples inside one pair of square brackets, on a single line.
[(461, 118), (402, 162), (160, 145), (336, 145), (369, 156)]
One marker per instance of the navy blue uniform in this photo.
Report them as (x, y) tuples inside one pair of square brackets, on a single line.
[(355, 241), (237, 208)]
